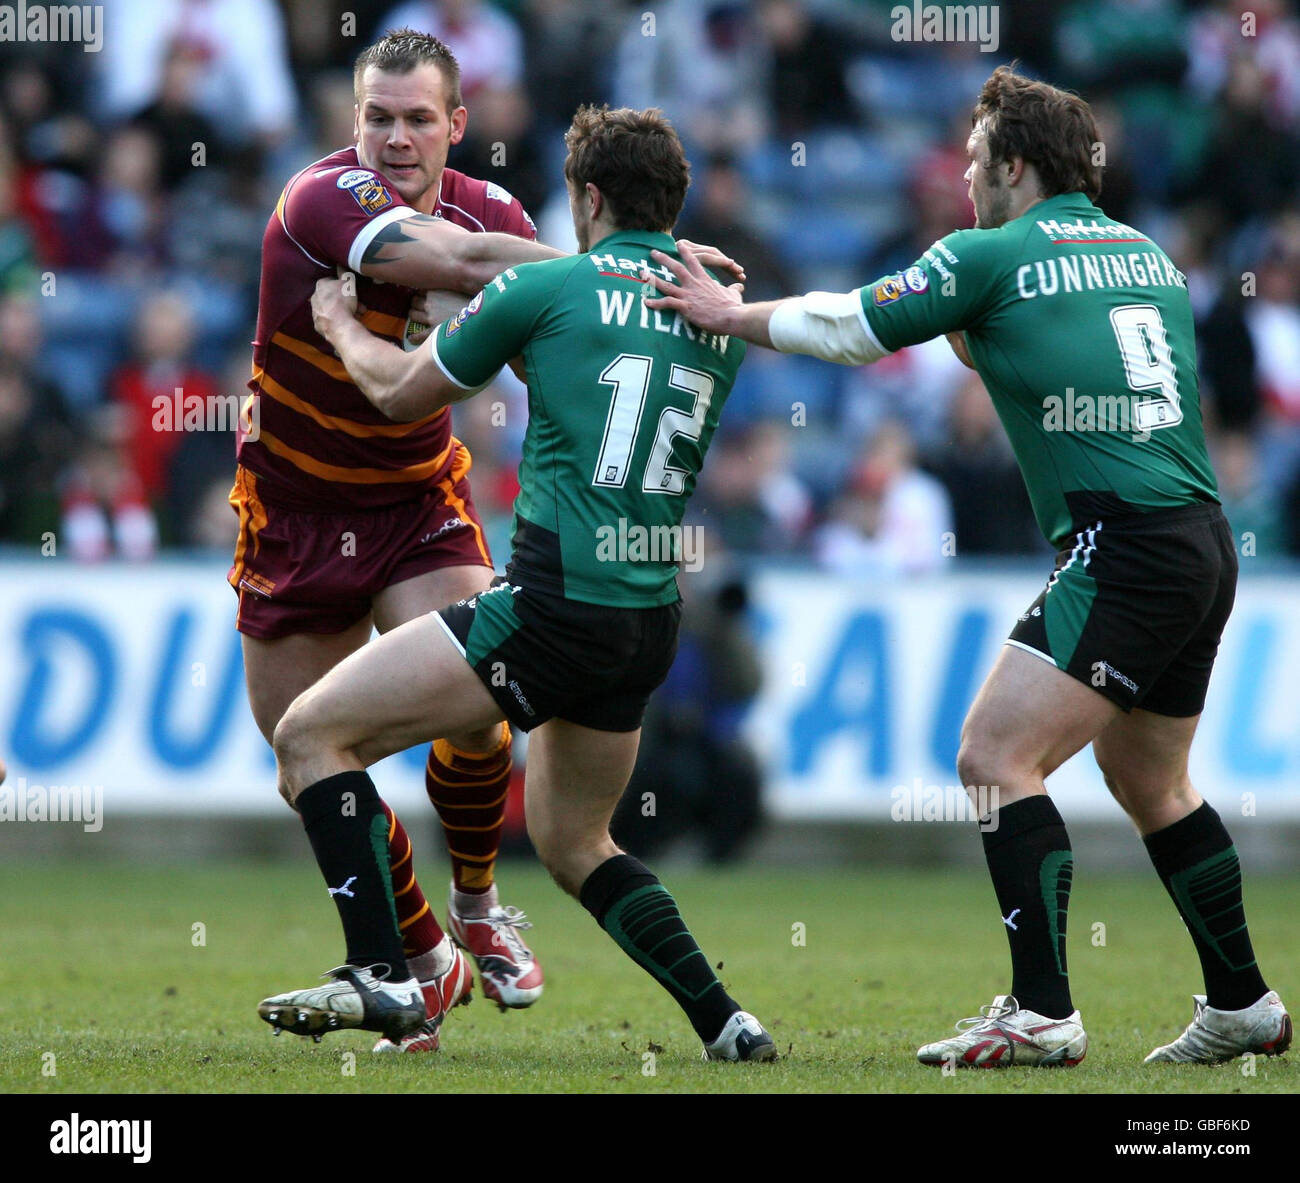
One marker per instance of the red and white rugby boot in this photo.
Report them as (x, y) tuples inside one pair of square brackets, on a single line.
[(1217, 1035), (453, 987), (509, 972), (1002, 1035)]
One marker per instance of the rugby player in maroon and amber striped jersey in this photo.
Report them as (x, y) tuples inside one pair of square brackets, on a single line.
[(348, 520)]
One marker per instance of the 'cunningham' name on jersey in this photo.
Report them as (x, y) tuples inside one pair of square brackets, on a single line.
[(1080, 273)]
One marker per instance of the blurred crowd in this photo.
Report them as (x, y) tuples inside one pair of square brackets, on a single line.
[(135, 185)]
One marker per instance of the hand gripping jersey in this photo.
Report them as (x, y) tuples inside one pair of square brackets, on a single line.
[(1082, 331), (622, 404), (317, 444)]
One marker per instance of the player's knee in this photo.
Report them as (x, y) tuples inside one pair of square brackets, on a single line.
[(545, 842), (485, 740), (558, 853), (291, 742), (978, 760)]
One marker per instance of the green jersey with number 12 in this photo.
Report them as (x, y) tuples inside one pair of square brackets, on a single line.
[(1082, 332), (622, 404)]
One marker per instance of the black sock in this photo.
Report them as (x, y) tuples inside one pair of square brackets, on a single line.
[(630, 904), (1198, 865), (1032, 867), (348, 831)]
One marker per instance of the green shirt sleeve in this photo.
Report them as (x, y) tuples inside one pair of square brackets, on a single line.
[(949, 287), (495, 325)]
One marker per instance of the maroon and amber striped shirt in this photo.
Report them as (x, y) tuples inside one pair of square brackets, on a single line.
[(318, 443)]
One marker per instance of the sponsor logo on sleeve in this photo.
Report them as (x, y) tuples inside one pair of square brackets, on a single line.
[(888, 290), (495, 192), (453, 325), (916, 280), (367, 190)]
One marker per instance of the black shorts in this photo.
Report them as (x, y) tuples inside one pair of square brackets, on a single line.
[(1136, 607), (544, 657)]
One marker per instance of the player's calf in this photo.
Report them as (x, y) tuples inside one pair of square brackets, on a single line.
[(634, 908)]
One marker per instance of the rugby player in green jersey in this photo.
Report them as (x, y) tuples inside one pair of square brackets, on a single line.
[(622, 405), (1081, 329)]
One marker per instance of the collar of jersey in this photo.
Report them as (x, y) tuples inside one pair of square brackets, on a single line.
[(655, 239), (1057, 201)]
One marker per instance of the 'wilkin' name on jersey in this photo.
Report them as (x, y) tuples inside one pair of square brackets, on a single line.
[(616, 305), (616, 308)]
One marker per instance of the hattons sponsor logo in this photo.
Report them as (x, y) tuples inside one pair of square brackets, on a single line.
[(887, 291), (354, 177), (371, 195), (1092, 231), (916, 280), (453, 325)]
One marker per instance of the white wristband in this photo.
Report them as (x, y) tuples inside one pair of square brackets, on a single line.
[(828, 325)]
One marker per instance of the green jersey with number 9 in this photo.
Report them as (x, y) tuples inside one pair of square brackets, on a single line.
[(1082, 331), (622, 404)]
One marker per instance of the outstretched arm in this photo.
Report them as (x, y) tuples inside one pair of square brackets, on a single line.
[(403, 386), (827, 325), (425, 253)]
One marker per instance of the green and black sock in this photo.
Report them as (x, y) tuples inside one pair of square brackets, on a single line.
[(1032, 867), (348, 830), (630, 904), (1198, 865)]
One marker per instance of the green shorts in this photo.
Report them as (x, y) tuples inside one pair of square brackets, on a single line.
[(1136, 608), (544, 657)]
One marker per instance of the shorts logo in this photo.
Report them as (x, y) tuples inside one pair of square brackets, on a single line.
[(446, 528), (916, 280), (888, 290), (519, 698), (1109, 671), (367, 190), (257, 584), (453, 325)]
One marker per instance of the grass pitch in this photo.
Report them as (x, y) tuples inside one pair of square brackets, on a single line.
[(107, 985)]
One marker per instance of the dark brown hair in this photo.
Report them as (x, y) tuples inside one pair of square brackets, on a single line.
[(1049, 128), (399, 51), (635, 159)]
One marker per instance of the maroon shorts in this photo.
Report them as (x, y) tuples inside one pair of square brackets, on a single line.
[(317, 572)]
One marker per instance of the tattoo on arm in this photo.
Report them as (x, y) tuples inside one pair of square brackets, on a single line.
[(392, 236)]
